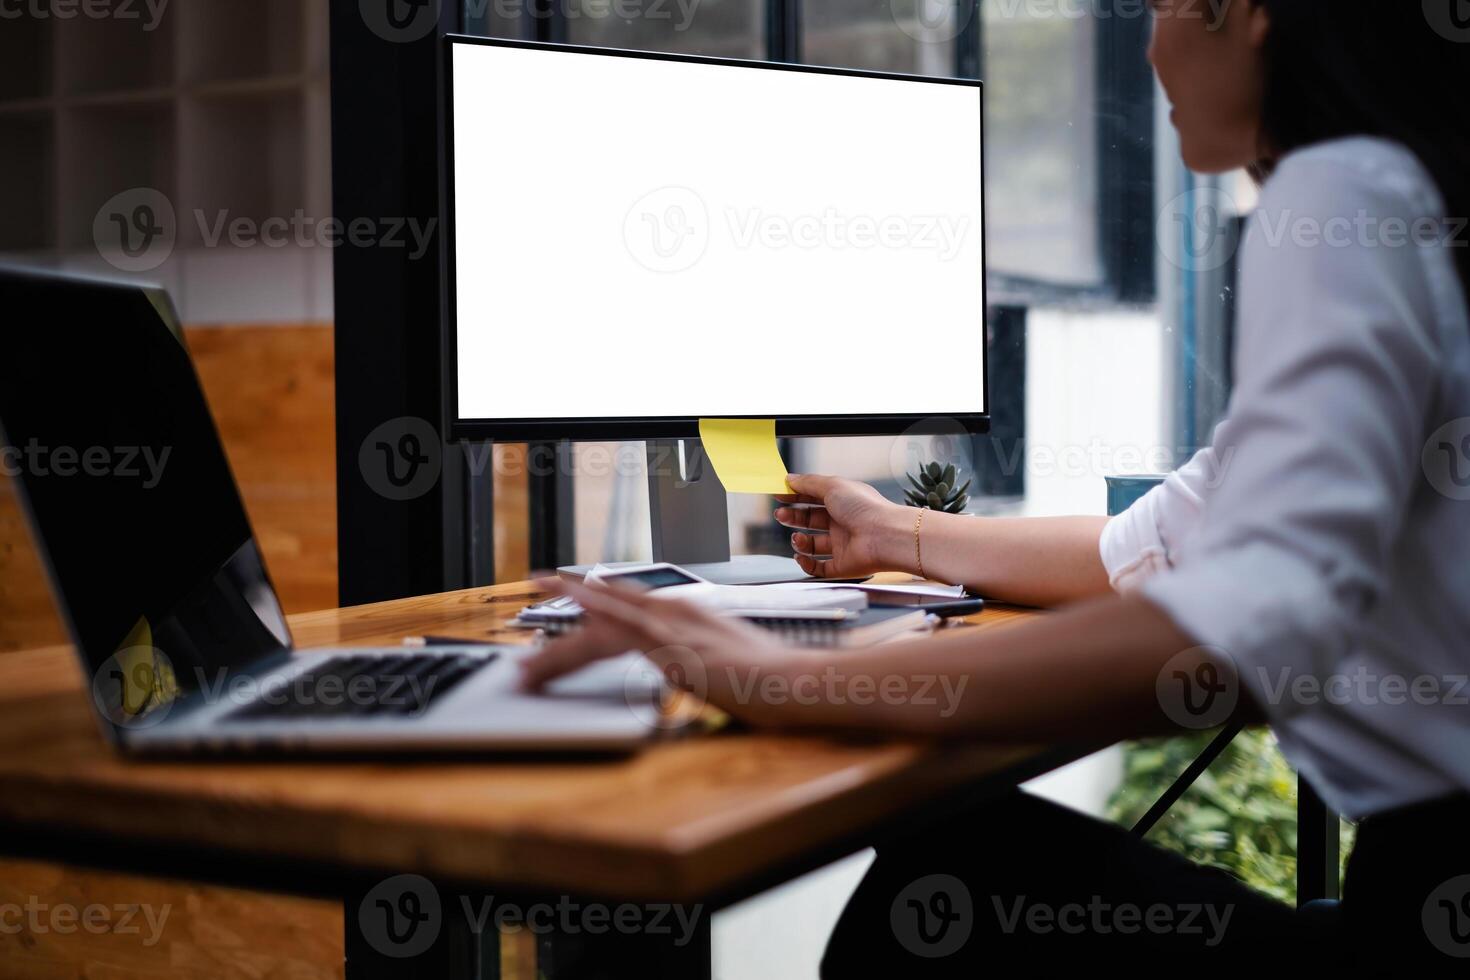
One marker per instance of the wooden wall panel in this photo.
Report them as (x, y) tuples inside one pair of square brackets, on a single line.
[(271, 390), (27, 614), (512, 514), (272, 393), (149, 929)]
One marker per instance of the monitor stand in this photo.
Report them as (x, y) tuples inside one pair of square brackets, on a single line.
[(690, 522)]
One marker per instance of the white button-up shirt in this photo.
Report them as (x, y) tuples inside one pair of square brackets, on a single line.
[(1321, 543)]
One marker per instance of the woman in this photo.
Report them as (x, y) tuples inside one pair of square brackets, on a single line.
[(1306, 570)]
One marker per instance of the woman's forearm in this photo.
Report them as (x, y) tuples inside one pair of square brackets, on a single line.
[(1033, 561), (1086, 673)]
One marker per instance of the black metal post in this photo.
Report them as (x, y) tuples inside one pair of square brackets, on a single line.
[(1317, 846), (1186, 779), (969, 44), (783, 30), (1000, 454), (405, 929), (1125, 143), (399, 500), (551, 491), (613, 955)]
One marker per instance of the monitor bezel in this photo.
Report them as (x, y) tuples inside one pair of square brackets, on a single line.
[(605, 428)]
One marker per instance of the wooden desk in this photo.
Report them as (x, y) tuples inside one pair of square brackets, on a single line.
[(707, 820)]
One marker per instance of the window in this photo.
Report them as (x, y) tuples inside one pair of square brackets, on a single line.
[(911, 36), (1042, 209), (1096, 340), (719, 28)]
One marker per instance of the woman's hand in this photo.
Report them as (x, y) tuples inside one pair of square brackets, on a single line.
[(862, 531), (720, 659), (1032, 561)]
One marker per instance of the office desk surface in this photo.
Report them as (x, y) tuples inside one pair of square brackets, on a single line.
[(680, 820)]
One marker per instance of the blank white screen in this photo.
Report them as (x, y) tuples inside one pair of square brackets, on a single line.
[(647, 238)]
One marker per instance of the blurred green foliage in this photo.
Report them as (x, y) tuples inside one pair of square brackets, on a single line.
[(1239, 815)]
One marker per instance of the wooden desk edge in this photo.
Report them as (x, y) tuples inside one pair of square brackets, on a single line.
[(702, 857)]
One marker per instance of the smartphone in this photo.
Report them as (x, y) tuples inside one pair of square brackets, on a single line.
[(656, 576)]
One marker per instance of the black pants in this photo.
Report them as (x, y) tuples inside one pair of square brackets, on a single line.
[(1025, 882)]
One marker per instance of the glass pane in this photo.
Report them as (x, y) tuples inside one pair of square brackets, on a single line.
[(1041, 163), (495, 18), (911, 36), (719, 28)]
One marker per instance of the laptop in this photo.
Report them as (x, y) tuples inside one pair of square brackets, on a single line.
[(155, 568)]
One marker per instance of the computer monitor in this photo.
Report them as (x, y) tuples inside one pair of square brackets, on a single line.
[(651, 239)]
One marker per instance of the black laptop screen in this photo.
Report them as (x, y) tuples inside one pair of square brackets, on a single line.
[(107, 431)]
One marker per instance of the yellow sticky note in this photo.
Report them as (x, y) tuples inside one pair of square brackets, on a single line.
[(743, 453)]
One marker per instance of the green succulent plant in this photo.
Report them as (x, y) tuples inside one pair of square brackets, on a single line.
[(934, 488)]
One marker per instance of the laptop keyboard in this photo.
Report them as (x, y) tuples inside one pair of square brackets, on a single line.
[(364, 686)]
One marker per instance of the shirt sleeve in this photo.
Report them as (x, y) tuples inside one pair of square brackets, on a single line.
[(1337, 362), (1141, 541)]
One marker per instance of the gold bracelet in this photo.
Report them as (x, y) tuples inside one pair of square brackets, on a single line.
[(918, 552)]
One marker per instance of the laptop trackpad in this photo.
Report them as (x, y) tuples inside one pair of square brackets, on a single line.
[(627, 676)]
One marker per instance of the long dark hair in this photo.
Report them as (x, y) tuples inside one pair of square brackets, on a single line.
[(1398, 69)]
